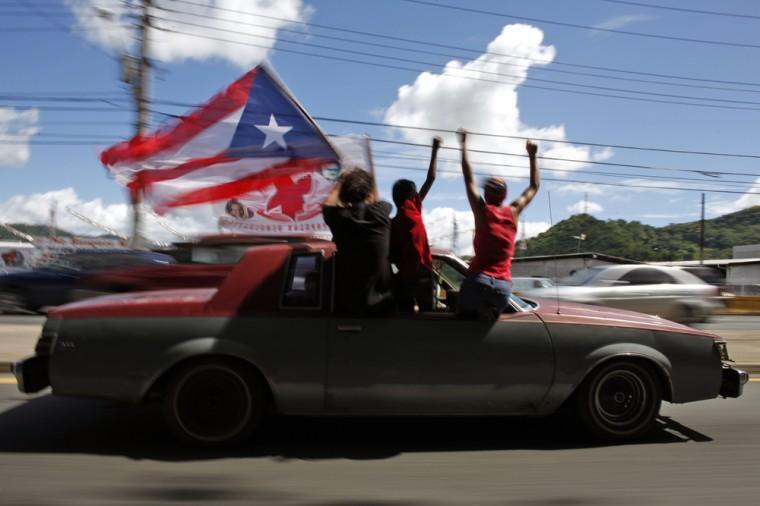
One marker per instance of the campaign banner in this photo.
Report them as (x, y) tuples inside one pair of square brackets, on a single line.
[(292, 203)]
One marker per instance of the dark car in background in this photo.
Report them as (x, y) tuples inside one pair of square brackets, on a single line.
[(58, 279), (201, 263)]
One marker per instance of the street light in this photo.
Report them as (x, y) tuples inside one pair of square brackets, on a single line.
[(580, 238)]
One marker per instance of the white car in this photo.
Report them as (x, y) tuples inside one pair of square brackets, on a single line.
[(524, 284), (667, 292)]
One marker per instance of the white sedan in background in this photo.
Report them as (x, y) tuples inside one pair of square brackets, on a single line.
[(667, 292)]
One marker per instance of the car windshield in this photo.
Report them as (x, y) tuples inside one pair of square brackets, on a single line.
[(582, 277), (522, 304), (216, 255)]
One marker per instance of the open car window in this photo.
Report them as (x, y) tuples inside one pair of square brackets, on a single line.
[(448, 274), (304, 281), (646, 276)]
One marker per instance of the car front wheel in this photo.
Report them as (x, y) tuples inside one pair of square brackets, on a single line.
[(620, 401), (213, 403)]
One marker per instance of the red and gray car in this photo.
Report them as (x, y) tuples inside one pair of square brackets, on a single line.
[(268, 340)]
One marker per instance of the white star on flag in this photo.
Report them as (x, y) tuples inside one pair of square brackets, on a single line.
[(274, 132)]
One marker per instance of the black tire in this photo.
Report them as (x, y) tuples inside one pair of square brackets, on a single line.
[(619, 400), (213, 403)]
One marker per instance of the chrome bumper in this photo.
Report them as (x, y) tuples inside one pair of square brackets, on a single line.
[(733, 381), (31, 374)]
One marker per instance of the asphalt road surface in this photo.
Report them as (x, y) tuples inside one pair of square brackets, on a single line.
[(58, 451)]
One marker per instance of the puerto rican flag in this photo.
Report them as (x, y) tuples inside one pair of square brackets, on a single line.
[(252, 136)]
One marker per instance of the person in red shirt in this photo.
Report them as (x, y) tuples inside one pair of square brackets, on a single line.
[(485, 291), (409, 249)]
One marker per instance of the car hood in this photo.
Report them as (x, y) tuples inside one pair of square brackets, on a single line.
[(186, 302), (553, 311)]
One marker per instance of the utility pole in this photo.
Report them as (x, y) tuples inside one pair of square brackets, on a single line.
[(702, 233), (455, 233), (139, 79), (585, 203)]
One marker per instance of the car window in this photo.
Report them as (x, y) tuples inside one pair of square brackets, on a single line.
[(450, 274), (647, 276), (582, 277), (302, 288)]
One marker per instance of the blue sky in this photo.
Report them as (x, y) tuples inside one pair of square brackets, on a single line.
[(64, 62)]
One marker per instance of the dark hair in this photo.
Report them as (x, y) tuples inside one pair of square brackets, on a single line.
[(230, 203), (494, 190), (356, 186), (403, 189)]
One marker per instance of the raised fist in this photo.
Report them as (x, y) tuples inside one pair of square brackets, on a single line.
[(462, 135), (531, 147)]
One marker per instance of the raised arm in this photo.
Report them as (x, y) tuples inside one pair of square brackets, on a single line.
[(473, 195), (535, 181), (431, 169), (332, 199)]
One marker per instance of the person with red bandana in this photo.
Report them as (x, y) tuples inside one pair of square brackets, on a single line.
[(485, 291), (409, 248)]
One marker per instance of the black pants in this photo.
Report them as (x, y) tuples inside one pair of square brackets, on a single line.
[(418, 290)]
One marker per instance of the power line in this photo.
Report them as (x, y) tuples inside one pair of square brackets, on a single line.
[(475, 71), (425, 42), (381, 154), (422, 51), (683, 9), (467, 49), (591, 162), (415, 70), (585, 27), (384, 125), (562, 141), (563, 180)]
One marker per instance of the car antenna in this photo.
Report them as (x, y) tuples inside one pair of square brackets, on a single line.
[(551, 224)]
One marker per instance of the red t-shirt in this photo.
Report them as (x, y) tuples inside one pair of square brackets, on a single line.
[(409, 248), (494, 243)]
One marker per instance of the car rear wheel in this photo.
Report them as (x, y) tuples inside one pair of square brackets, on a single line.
[(620, 401), (213, 403)]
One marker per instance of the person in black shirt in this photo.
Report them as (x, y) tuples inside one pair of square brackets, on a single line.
[(360, 224)]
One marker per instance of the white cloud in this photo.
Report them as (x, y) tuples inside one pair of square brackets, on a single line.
[(16, 128), (440, 224), (591, 189), (112, 29), (490, 105), (618, 22), (35, 209), (583, 206), (749, 199)]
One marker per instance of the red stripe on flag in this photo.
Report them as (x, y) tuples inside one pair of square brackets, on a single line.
[(254, 182), (142, 147), (145, 178)]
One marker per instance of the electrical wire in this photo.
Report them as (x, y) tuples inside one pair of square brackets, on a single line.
[(434, 53), (584, 27), (683, 9), (461, 48), (417, 70)]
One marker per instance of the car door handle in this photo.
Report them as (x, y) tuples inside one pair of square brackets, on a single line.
[(349, 328)]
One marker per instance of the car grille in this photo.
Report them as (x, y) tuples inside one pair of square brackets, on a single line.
[(45, 343)]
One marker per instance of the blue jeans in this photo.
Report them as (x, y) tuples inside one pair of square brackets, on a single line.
[(483, 297)]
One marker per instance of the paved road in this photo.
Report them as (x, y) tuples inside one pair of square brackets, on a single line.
[(59, 451)]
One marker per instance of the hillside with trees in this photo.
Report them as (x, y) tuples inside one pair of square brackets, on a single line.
[(634, 240)]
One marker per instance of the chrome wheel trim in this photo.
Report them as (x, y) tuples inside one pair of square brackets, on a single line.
[(620, 399)]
